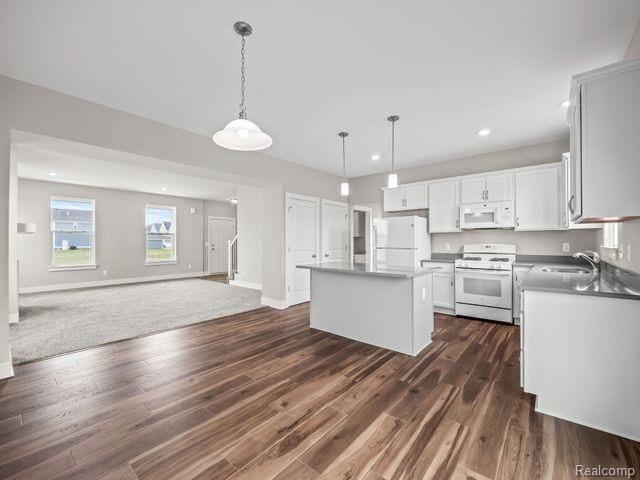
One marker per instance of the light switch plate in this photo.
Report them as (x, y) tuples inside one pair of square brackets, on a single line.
[(566, 247), (192, 210), (629, 252), (447, 246), (105, 272), (424, 293)]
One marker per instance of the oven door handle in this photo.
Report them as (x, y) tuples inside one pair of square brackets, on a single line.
[(482, 271)]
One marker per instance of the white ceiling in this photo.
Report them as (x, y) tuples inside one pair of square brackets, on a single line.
[(448, 68), (100, 168)]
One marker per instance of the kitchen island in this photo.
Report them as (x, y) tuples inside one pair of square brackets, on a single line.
[(384, 306)]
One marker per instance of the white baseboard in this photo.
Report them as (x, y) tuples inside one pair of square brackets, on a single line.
[(6, 369), (240, 283), (106, 283), (270, 302), (13, 318)]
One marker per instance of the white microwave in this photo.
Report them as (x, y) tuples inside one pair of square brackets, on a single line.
[(486, 215)]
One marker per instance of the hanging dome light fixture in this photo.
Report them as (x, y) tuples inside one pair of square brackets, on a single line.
[(344, 186), (392, 180), (242, 134)]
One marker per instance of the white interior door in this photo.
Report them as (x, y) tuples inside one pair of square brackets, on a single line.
[(335, 231), (302, 229), (221, 231)]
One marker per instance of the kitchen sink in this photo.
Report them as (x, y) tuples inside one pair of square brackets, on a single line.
[(577, 270)]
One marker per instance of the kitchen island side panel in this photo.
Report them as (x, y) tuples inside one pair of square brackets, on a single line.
[(371, 309)]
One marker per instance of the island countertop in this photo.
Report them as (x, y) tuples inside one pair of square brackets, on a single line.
[(366, 269)]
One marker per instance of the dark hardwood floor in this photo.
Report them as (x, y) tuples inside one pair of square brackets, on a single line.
[(260, 395)]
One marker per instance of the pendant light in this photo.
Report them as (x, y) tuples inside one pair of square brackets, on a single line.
[(344, 186), (392, 180), (242, 134)]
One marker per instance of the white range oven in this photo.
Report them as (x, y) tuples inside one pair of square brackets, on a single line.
[(484, 282)]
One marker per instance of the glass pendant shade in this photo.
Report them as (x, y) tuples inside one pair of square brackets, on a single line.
[(392, 181), (242, 134), (344, 189)]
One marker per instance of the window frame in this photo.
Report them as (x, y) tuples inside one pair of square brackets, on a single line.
[(174, 241), (81, 266), (611, 236)]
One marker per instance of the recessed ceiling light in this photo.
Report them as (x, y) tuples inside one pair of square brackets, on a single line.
[(233, 200), (484, 132), (164, 189), (565, 103), (375, 157), (52, 174)]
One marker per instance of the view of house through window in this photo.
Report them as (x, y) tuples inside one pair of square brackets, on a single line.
[(160, 224), (72, 232), (610, 235)]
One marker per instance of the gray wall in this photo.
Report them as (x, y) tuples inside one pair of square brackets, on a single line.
[(120, 234), (366, 191), (35, 109), (251, 221)]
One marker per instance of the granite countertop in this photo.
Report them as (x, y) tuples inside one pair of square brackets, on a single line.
[(366, 269), (610, 281)]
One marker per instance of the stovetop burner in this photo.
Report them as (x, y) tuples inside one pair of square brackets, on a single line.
[(498, 259), (474, 259)]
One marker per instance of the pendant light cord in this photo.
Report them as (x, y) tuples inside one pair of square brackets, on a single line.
[(243, 78), (393, 145), (344, 161)]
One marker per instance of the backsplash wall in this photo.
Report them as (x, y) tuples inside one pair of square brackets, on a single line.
[(529, 243)]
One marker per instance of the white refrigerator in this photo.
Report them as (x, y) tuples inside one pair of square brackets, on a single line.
[(401, 241)]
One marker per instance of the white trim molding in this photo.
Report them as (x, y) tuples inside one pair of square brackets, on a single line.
[(240, 283), (13, 318), (270, 302), (107, 283), (6, 369)]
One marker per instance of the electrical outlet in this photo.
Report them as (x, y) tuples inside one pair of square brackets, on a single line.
[(105, 272), (629, 253), (566, 247), (447, 246), (189, 266), (192, 210)]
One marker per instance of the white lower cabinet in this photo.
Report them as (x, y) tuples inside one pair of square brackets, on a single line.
[(580, 358), (443, 287)]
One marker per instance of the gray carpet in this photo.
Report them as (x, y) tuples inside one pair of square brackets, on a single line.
[(64, 321)]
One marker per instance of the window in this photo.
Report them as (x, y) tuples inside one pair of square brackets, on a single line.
[(72, 233), (160, 224), (610, 235)]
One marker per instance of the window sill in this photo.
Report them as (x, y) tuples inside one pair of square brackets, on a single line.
[(167, 262), (72, 267)]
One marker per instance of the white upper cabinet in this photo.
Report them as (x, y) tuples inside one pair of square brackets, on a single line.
[(444, 206), (472, 190), (488, 188), (605, 144), (540, 198), (407, 197), (499, 188), (393, 199), (416, 196)]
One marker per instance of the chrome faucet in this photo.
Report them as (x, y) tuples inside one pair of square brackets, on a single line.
[(592, 257)]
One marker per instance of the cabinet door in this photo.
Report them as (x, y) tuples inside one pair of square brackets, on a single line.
[(416, 197), (472, 190), (574, 164), (499, 187), (444, 207), (443, 290), (539, 200), (394, 199)]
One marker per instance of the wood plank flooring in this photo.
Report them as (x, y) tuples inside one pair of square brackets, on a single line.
[(260, 395)]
